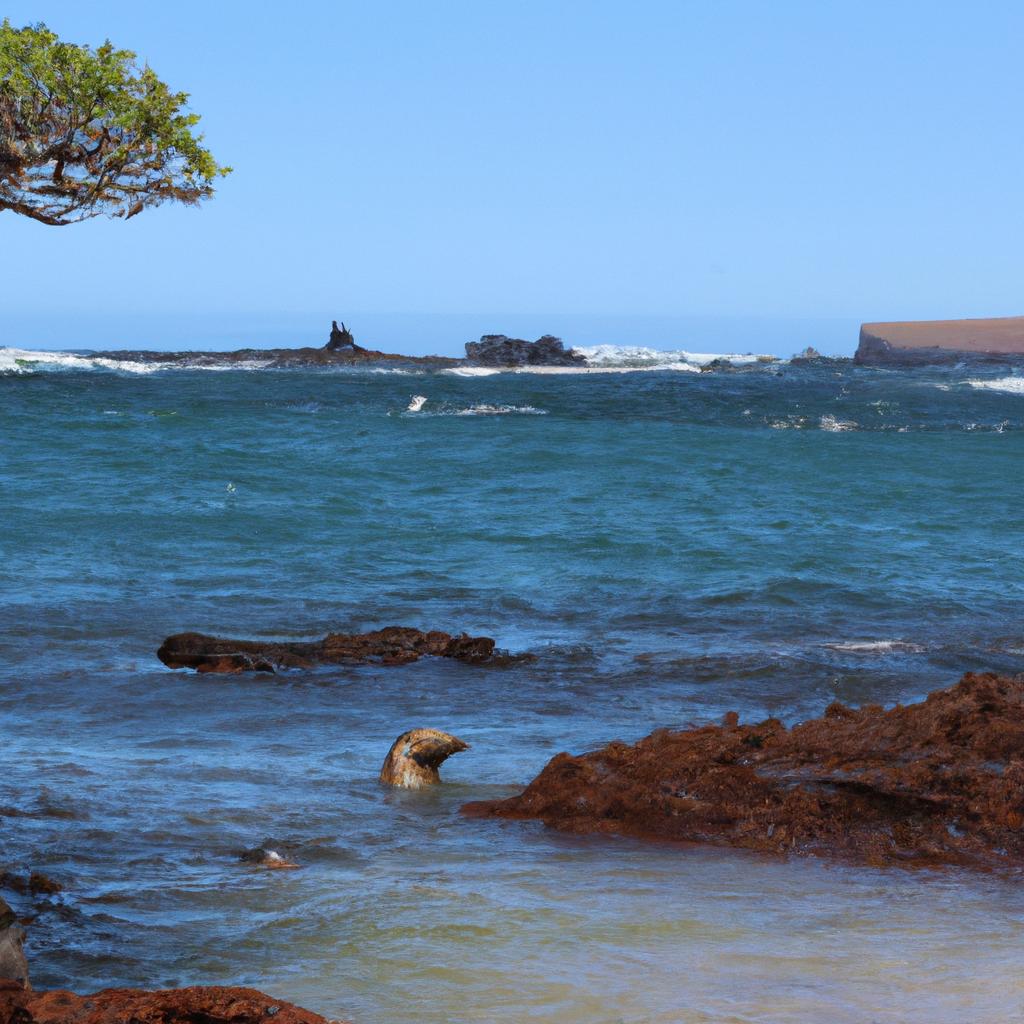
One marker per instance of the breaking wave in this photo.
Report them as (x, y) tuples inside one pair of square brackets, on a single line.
[(637, 357), (21, 361), (1009, 385)]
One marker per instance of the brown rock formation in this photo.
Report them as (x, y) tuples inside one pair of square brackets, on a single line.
[(415, 757), (206, 1005), (394, 645), (939, 782), (923, 342), (13, 964)]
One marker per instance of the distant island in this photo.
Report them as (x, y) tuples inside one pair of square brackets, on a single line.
[(494, 350), (931, 342)]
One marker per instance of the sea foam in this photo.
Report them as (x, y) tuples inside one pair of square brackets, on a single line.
[(1009, 385)]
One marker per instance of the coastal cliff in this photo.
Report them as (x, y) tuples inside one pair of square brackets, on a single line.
[(931, 342)]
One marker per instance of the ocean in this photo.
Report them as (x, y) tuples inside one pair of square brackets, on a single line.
[(670, 544)]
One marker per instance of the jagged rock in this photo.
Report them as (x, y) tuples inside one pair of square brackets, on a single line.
[(939, 782), (213, 1004), (415, 757), (499, 350), (394, 645), (341, 338)]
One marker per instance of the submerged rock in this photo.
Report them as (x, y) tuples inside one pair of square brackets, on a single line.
[(500, 350), (394, 645), (214, 1004), (415, 757), (37, 883), (939, 782)]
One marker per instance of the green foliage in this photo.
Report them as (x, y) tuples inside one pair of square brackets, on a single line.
[(85, 132)]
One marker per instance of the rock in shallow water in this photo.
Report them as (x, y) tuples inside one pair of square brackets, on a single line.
[(213, 1004), (394, 645), (940, 782)]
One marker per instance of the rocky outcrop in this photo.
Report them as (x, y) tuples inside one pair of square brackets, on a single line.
[(201, 1005), (499, 350), (341, 338), (935, 342), (415, 757), (939, 782), (394, 645), (340, 350)]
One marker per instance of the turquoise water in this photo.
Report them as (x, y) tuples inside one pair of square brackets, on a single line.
[(671, 546)]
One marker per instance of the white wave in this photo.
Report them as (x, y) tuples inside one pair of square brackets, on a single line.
[(1009, 385), (499, 410), (20, 360), (416, 403), (488, 371), (638, 357), (875, 646), (482, 409), (830, 423)]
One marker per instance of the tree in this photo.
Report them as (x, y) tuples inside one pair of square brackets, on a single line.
[(85, 132)]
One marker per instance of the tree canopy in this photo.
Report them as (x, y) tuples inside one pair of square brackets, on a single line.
[(85, 132)]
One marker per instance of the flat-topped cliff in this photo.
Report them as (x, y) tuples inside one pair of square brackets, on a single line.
[(920, 342)]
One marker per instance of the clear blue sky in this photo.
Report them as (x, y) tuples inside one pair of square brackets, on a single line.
[(662, 171)]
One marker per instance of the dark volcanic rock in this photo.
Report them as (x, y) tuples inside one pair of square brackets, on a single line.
[(341, 339), (499, 350), (940, 782), (213, 1004), (394, 645)]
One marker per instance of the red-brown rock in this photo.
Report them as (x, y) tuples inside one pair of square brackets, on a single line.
[(939, 782), (206, 1005), (394, 645)]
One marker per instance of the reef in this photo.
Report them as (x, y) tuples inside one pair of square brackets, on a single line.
[(201, 1005), (341, 350), (394, 645), (939, 782), (938, 342), (500, 350)]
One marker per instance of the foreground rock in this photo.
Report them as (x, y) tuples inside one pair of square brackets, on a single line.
[(13, 964), (415, 757), (940, 782), (395, 645), (499, 350), (934, 342), (205, 1005)]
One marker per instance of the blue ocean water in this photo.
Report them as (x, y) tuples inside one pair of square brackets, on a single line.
[(671, 545)]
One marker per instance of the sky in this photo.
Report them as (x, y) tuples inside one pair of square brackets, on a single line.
[(707, 175)]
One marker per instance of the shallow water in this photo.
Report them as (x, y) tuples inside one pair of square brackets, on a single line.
[(672, 545)]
